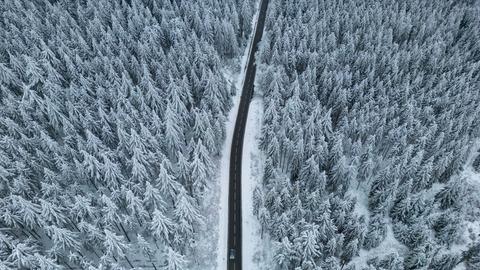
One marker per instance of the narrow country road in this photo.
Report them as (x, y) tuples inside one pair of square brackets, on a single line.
[(234, 252)]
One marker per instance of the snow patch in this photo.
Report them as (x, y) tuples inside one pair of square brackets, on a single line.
[(256, 251), (361, 206), (388, 246)]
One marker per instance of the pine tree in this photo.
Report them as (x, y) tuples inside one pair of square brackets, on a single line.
[(161, 225), (471, 257), (165, 180), (452, 194), (52, 213), (152, 198), (45, 263), (63, 239), (174, 139), (146, 249), (445, 261), (174, 260), (186, 213), (350, 251), (309, 246), (283, 252), (22, 255), (376, 232), (114, 244), (417, 258)]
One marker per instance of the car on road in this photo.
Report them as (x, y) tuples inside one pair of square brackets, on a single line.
[(231, 254)]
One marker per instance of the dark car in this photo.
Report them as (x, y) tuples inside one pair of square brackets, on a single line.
[(231, 254)]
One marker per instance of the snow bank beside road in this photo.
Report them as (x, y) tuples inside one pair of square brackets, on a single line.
[(256, 251)]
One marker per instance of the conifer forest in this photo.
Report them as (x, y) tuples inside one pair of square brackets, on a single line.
[(117, 118)]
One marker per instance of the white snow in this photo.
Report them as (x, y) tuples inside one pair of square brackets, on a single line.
[(361, 207), (256, 251), (250, 169), (388, 246)]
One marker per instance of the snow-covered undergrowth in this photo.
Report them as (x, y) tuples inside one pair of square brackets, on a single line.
[(257, 247)]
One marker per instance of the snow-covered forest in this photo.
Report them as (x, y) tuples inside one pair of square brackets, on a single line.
[(372, 110), (112, 117)]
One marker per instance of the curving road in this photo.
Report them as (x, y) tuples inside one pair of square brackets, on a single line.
[(235, 194)]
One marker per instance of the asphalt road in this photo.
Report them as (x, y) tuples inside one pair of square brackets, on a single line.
[(235, 194)]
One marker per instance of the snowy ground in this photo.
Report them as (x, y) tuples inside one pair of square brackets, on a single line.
[(388, 246), (256, 251)]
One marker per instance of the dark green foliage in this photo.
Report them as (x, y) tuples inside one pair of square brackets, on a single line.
[(377, 230), (445, 261), (417, 258), (476, 163), (412, 235), (472, 256), (448, 228), (391, 262)]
